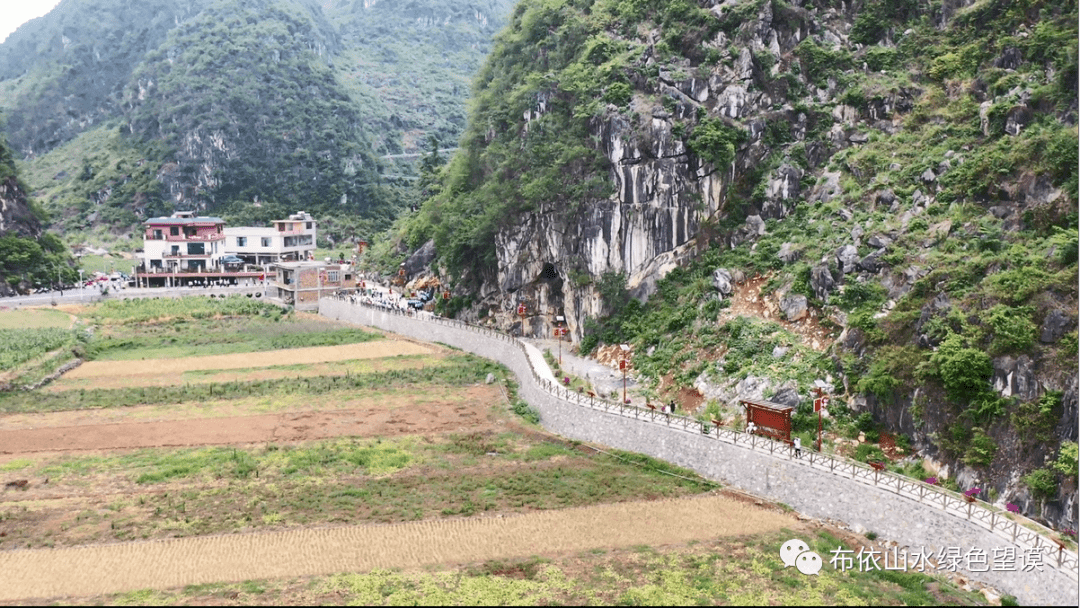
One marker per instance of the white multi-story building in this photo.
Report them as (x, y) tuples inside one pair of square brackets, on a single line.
[(292, 239), (183, 243)]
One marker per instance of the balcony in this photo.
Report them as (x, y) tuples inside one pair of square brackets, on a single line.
[(185, 255), (182, 238)]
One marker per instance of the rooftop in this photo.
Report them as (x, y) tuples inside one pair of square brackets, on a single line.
[(306, 264), (251, 230), (769, 405), (185, 220)]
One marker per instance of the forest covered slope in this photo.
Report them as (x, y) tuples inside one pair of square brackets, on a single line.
[(248, 108), (758, 194)]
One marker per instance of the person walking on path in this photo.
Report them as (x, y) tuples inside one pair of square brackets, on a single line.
[(798, 448)]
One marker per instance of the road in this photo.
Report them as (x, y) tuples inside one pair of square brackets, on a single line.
[(92, 294)]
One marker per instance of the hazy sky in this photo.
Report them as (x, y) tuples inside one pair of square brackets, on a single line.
[(14, 13)]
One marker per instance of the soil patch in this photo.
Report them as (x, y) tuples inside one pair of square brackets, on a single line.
[(748, 301), (401, 417)]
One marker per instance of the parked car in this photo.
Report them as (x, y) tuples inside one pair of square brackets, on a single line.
[(232, 260)]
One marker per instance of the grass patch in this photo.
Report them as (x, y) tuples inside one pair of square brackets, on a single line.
[(33, 318)]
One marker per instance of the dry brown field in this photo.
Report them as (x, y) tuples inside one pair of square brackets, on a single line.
[(205, 376), (304, 552), (292, 356)]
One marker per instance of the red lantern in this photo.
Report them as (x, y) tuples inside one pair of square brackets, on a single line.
[(521, 309)]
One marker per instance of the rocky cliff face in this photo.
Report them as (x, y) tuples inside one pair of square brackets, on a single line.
[(874, 178), (663, 194)]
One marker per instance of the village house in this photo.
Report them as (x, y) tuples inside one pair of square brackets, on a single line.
[(291, 239), (301, 284), (183, 243)]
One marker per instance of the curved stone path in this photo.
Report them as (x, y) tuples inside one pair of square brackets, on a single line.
[(102, 569)]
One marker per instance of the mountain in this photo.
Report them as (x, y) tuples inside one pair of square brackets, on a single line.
[(758, 195), (410, 64), (121, 110), (28, 256)]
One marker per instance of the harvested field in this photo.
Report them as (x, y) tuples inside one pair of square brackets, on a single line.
[(314, 354), (739, 570), (170, 378), (373, 421), (201, 560), (389, 399)]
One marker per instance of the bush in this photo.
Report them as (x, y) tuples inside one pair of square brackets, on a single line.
[(714, 141), (867, 452), (1066, 462), (527, 412), (964, 371), (1042, 483), (1013, 329), (980, 450)]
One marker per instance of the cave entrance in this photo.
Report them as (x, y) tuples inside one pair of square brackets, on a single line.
[(548, 273)]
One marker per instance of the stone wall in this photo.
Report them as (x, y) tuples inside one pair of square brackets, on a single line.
[(778, 477)]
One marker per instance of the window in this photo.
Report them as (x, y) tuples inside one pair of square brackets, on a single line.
[(196, 248), (265, 241), (241, 241), (309, 225), (281, 227), (157, 235), (174, 231), (332, 276), (176, 250), (189, 231)]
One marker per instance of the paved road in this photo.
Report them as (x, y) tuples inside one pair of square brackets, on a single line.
[(604, 378), (91, 294)]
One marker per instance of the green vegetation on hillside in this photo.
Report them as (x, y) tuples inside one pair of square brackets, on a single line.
[(279, 128), (941, 148), (558, 64)]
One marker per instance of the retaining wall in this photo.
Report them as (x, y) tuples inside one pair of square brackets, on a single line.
[(766, 468)]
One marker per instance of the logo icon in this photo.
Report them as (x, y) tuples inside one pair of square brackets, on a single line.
[(796, 553), (790, 551), (809, 563)]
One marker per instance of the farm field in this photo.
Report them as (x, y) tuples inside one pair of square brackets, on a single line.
[(384, 471), (738, 570), (28, 335)]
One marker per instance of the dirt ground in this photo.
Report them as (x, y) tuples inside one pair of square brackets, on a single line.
[(402, 416), (233, 408), (308, 355), (305, 552), (748, 301)]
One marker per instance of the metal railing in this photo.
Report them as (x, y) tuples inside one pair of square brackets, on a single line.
[(1013, 527)]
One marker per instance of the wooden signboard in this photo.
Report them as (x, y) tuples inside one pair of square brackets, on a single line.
[(770, 419)]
